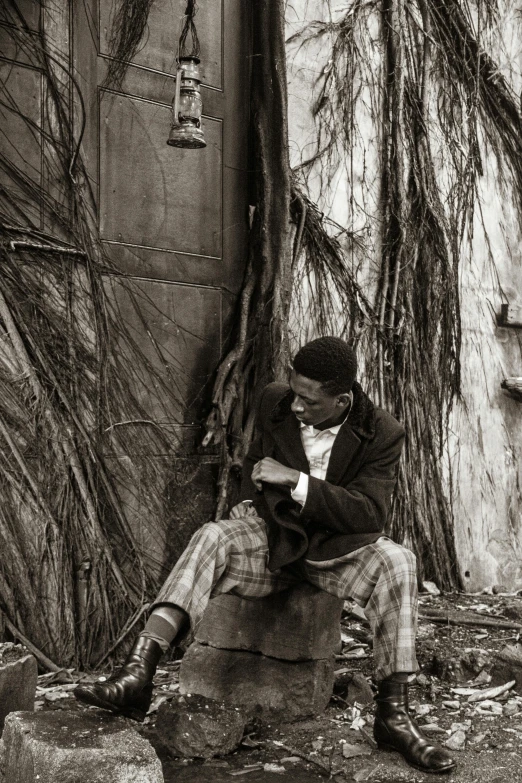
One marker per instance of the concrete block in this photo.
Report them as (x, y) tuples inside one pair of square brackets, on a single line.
[(194, 726), (299, 624), (74, 747), (18, 679), (267, 687)]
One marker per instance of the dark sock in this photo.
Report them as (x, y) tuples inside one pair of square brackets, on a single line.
[(160, 630)]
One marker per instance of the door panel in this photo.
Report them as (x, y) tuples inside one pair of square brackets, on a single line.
[(20, 144), (29, 10), (163, 30), (150, 196), (168, 265), (184, 323), (167, 215)]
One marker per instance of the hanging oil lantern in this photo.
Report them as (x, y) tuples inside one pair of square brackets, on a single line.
[(187, 106)]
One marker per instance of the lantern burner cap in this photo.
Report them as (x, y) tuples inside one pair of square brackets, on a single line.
[(190, 67)]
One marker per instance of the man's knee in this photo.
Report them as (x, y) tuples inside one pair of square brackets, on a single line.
[(210, 531), (223, 531), (399, 559)]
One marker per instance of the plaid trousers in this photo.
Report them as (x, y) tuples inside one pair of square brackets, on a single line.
[(231, 556)]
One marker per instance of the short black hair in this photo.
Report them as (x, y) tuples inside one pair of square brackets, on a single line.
[(329, 360)]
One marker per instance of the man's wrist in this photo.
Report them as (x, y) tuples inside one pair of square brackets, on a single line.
[(293, 478)]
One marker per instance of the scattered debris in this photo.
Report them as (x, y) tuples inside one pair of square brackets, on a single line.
[(491, 693), (273, 768), (364, 774), (352, 687), (351, 751), (307, 757), (431, 588), (466, 619), (247, 769)]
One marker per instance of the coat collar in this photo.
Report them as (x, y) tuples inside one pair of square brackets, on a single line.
[(359, 424)]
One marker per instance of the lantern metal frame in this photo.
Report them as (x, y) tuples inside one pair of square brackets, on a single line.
[(186, 133)]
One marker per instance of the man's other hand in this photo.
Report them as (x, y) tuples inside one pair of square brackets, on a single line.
[(271, 471), (243, 509)]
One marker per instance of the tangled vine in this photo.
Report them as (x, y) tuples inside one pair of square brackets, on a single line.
[(78, 510), (433, 93)]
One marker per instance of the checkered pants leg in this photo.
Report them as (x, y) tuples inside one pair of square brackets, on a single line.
[(231, 557), (381, 578)]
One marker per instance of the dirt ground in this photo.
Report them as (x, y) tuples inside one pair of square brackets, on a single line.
[(457, 662)]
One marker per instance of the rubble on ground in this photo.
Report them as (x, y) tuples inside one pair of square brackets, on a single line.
[(467, 696)]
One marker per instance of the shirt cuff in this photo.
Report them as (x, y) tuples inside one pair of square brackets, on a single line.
[(300, 492)]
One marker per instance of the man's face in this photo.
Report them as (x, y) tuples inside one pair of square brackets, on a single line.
[(312, 405)]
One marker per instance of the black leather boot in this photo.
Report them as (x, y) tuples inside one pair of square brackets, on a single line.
[(395, 730), (129, 690)]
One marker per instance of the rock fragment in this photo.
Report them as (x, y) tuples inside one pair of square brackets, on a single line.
[(457, 740), (433, 728), (353, 687), (491, 693), (512, 707), (352, 751), (508, 666), (488, 707), (431, 588), (18, 679), (196, 727), (451, 704), (458, 736)]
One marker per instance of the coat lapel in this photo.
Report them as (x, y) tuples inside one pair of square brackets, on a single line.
[(343, 450), (286, 434), (288, 439)]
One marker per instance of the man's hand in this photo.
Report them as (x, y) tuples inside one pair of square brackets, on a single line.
[(273, 472), (243, 509)]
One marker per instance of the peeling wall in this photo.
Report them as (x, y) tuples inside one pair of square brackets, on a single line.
[(485, 444)]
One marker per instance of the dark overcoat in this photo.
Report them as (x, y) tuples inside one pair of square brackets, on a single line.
[(345, 511)]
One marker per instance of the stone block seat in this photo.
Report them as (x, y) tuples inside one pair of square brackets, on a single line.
[(273, 655)]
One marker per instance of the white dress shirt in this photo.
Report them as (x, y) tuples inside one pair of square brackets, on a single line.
[(317, 445)]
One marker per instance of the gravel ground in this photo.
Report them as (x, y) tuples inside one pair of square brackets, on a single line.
[(456, 662)]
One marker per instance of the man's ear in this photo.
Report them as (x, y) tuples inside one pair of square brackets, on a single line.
[(346, 399)]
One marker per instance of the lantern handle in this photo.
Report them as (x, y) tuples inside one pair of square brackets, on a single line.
[(177, 94)]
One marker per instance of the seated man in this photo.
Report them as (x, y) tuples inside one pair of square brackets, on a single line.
[(316, 492)]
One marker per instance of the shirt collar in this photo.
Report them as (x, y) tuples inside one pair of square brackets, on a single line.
[(333, 430)]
